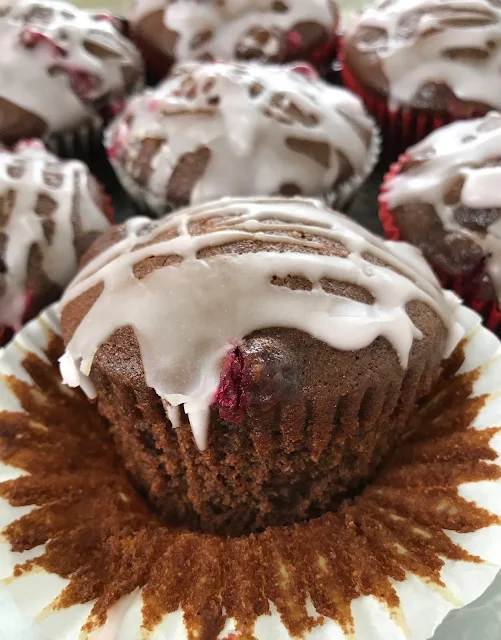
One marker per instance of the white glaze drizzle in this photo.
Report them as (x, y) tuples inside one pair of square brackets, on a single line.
[(32, 49), (246, 132), (231, 23), (24, 226), (416, 56), (186, 317), (452, 152)]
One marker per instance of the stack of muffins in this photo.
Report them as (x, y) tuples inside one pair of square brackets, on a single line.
[(256, 352)]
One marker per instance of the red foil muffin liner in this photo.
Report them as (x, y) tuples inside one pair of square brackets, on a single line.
[(489, 310)]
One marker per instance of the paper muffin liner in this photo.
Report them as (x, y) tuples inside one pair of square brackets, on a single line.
[(82, 556), (339, 198), (461, 284), (403, 127)]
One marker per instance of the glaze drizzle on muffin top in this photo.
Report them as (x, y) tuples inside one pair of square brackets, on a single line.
[(430, 52), (190, 302), (48, 218), (268, 30), (218, 129), (62, 64), (457, 170)]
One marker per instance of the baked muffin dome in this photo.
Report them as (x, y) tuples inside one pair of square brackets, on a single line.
[(229, 129), (256, 358), (444, 196), (441, 56), (60, 68), (266, 30), (51, 211)]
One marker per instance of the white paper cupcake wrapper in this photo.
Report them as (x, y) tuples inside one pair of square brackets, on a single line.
[(423, 605), (338, 198)]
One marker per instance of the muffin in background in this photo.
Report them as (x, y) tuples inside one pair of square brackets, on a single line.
[(274, 31), (51, 211), (256, 358), (420, 64), (241, 129), (63, 72), (444, 196)]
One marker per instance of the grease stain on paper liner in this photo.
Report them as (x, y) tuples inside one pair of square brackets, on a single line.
[(101, 536)]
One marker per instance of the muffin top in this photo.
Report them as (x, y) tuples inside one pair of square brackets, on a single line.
[(218, 129), (195, 284), (430, 53), (50, 212), (453, 177), (60, 67), (266, 30)]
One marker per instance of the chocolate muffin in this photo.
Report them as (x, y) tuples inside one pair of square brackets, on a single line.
[(63, 69), (439, 60), (51, 211), (266, 30), (444, 196), (233, 129), (256, 359)]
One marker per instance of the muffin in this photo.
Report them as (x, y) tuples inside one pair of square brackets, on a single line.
[(420, 64), (63, 71), (444, 196), (266, 30), (233, 129), (256, 358), (51, 211)]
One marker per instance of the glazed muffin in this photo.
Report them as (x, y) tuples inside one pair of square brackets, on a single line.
[(266, 30), (228, 129), (256, 359), (420, 64), (51, 211), (62, 72), (444, 196)]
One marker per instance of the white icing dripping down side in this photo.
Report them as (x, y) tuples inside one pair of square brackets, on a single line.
[(418, 50), (245, 115), (32, 76), (187, 316), (24, 227), (451, 153), (232, 22)]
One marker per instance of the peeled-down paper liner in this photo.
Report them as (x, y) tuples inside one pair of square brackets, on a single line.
[(422, 604)]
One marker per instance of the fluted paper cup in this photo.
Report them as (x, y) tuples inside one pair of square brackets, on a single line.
[(83, 558)]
